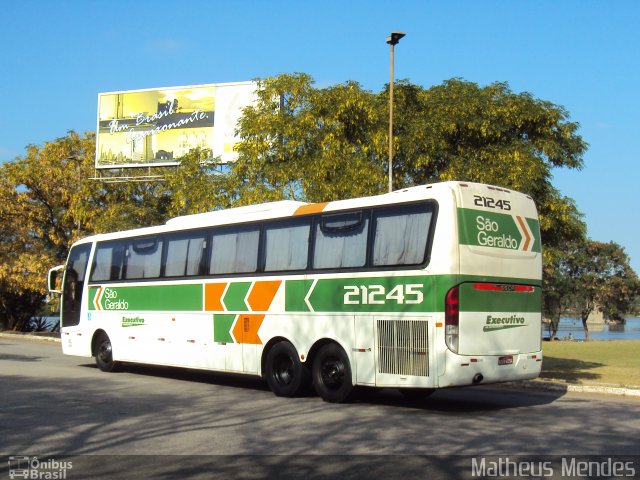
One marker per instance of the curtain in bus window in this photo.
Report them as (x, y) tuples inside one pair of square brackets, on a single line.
[(234, 252), (341, 248), (287, 247), (78, 263), (144, 259), (401, 239), (184, 256), (108, 262)]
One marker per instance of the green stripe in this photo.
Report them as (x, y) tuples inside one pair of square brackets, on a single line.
[(222, 324), (534, 226), (398, 294), (473, 300), (494, 230), (150, 298), (234, 297), (295, 292)]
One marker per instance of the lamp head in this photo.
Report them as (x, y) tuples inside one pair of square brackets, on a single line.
[(395, 37)]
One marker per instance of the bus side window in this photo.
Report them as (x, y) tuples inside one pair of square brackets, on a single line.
[(234, 251), (287, 245), (185, 254), (401, 235), (341, 241), (144, 258), (108, 263)]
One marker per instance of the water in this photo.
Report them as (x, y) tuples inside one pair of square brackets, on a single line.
[(50, 322), (630, 330)]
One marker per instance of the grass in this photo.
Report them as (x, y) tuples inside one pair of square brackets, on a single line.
[(603, 363)]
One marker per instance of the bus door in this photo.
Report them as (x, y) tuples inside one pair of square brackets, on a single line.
[(73, 285)]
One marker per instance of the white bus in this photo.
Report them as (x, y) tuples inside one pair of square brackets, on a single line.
[(432, 286)]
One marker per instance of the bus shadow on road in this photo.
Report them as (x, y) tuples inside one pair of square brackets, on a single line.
[(224, 379), (463, 399), (19, 358), (446, 400)]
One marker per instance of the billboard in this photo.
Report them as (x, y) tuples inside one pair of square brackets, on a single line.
[(155, 127)]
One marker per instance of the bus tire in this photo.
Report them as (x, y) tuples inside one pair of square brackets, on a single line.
[(104, 353), (285, 374), (332, 374)]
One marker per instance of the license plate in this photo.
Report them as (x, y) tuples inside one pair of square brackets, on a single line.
[(505, 360)]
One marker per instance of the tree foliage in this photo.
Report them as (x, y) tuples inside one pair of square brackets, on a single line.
[(319, 144), (557, 287), (48, 200), (311, 144), (41, 213), (589, 276)]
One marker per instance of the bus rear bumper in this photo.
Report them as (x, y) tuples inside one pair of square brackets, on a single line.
[(463, 370)]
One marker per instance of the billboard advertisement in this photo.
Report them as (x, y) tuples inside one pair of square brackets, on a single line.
[(155, 127)]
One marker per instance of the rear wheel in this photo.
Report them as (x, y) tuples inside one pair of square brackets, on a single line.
[(104, 353), (285, 374), (332, 374)]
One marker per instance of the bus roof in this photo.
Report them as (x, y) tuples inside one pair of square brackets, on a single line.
[(289, 208)]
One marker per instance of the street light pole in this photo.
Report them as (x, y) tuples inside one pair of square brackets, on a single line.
[(392, 40)]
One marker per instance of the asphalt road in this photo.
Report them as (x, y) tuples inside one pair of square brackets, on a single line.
[(55, 405)]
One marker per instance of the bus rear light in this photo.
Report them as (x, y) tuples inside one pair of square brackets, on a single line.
[(451, 318), (503, 287)]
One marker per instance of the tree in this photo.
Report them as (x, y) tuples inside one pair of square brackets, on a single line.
[(557, 287), (194, 186), (40, 215), (461, 131), (319, 144), (601, 278), (299, 142), (48, 200)]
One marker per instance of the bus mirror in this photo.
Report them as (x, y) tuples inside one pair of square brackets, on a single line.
[(54, 279)]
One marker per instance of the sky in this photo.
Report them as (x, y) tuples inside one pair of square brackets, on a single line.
[(55, 57)]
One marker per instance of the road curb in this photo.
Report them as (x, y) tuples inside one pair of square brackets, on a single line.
[(567, 387), (46, 337)]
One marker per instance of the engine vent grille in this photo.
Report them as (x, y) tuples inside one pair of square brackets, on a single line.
[(403, 347)]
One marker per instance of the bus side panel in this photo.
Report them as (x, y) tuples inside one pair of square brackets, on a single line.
[(365, 345)]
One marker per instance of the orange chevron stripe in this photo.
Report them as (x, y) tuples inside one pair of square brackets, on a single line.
[(310, 208), (97, 298), (262, 295), (213, 296), (525, 230), (246, 329)]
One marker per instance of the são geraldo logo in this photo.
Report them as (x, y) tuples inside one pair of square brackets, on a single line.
[(107, 299)]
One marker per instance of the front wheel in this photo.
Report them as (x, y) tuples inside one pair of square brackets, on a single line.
[(104, 354), (332, 374), (285, 374)]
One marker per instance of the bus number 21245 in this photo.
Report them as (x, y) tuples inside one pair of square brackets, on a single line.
[(377, 295)]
